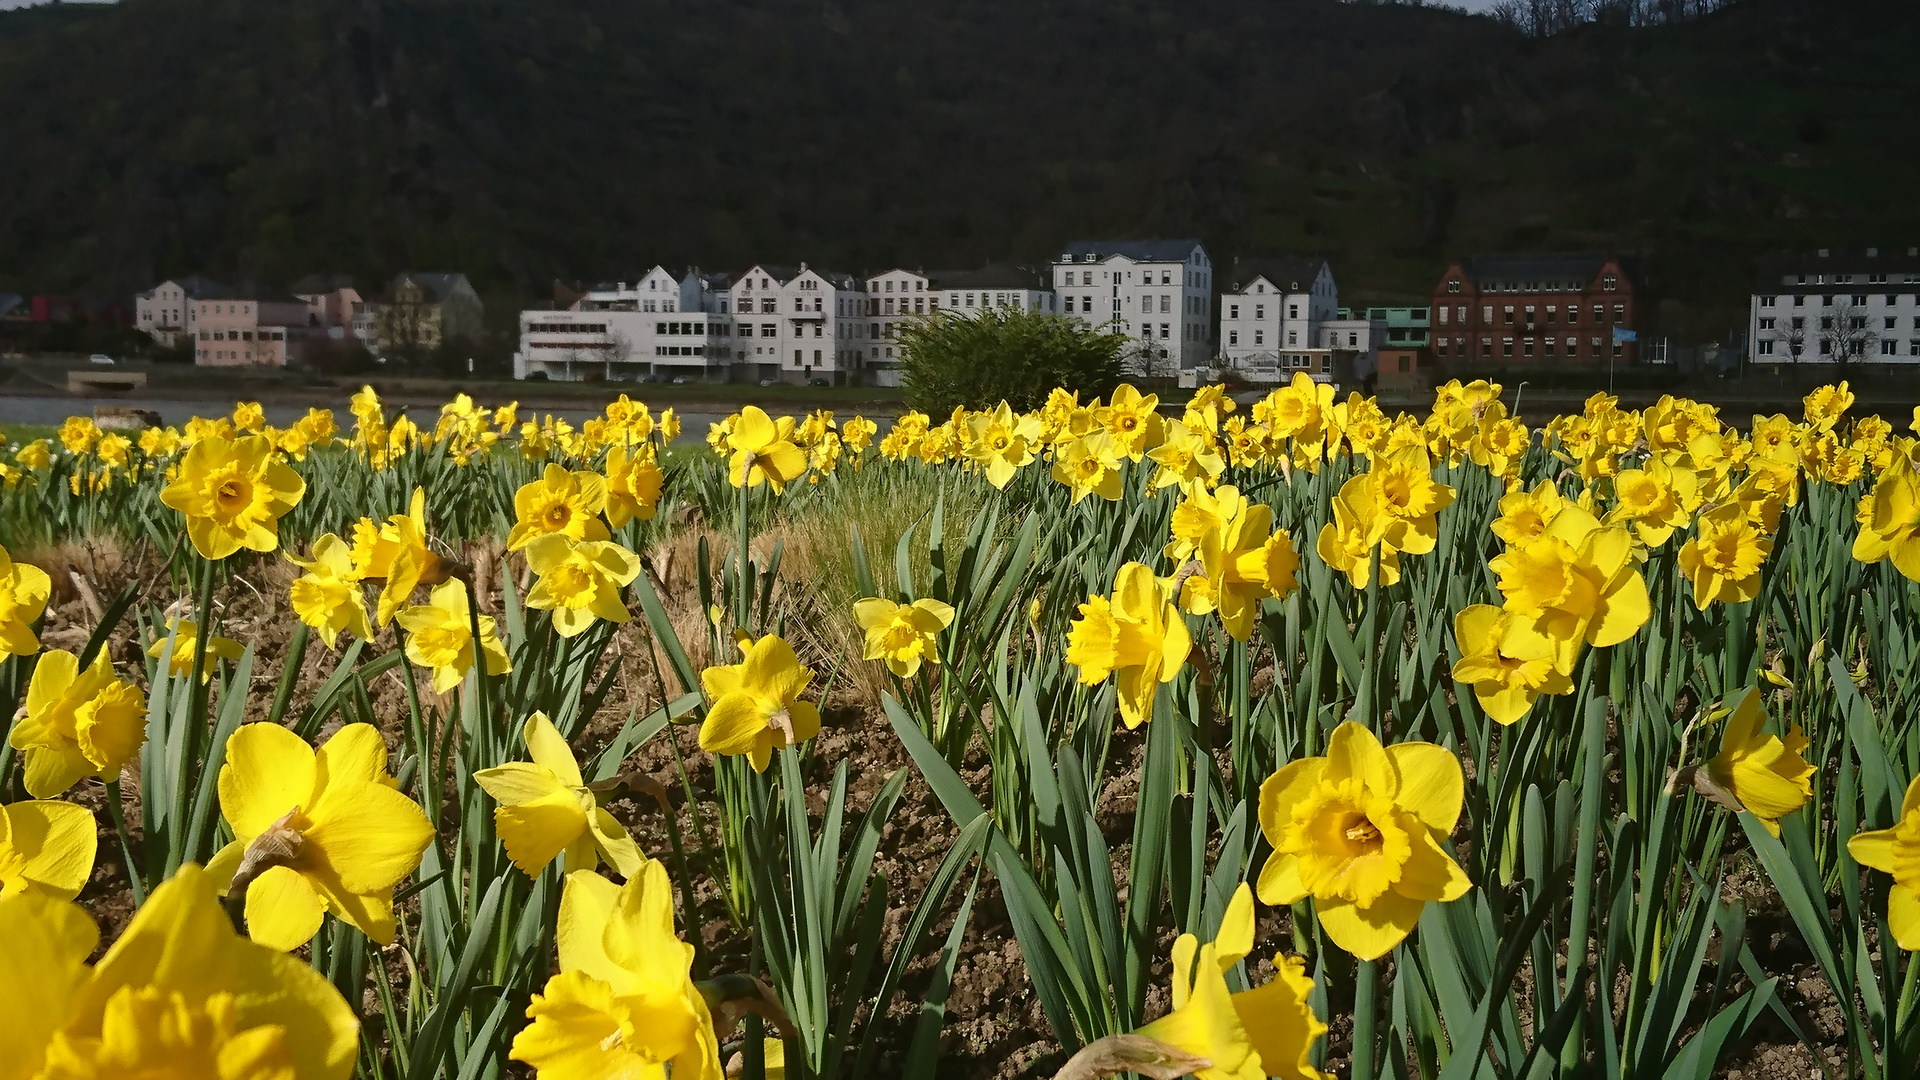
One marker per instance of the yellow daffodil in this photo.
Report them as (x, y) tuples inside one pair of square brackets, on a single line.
[(624, 1003), (77, 724), (78, 433), (1525, 515), (1723, 559), (1652, 500), (186, 637), (546, 809), (902, 634), (1769, 776), (1499, 445), (440, 636), (633, 485), (1577, 579), (46, 846), (1347, 543), (1889, 520), (249, 417), (754, 707), (1896, 851), (1186, 457), (327, 597), (1242, 558), (1137, 636), (178, 995), (315, 832), (1359, 830), (858, 434), (560, 503), (1406, 498), (762, 451), (1089, 466), (397, 554), (34, 456), (24, 589), (1001, 443), (1267, 1031), (580, 582), (1827, 404), (233, 493), (1131, 421), (1508, 661)]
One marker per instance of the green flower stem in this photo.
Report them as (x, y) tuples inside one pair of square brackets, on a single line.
[(1365, 1019), (119, 815), (1592, 800)]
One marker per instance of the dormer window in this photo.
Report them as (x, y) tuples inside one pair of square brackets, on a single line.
[(1609, 283), (1088, 257), (1453, 286)]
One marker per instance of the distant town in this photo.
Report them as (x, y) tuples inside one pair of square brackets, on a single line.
[(1260, 321)]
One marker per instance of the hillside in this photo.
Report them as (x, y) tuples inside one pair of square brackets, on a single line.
[(587, 139)]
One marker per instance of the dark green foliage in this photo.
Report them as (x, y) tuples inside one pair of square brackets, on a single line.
[(1004, 355), (521, 141)]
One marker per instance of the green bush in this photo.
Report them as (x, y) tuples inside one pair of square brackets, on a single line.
[(1004, 355)]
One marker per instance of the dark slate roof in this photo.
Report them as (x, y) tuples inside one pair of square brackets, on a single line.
[(1780, 270), (1525, 268), (1137, 250), (1289, 272), (992, 276)]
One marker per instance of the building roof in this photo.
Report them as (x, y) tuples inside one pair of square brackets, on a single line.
[(1825, 265), (991, 276), (253, 293), (314, 284), (439, 286), (1290, 272), (1526, 268), (1137, 250), (781, 274)]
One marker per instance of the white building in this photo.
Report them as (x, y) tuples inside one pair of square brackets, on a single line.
[(893, 298), (799, 325), (1157, 292), (656, 328), (168, 311), (1272, 312), (1863, 305)]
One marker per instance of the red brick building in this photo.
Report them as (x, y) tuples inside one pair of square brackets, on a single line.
[(1520, 311)]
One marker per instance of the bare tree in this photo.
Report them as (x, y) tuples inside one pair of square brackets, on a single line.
[(1846, 334)]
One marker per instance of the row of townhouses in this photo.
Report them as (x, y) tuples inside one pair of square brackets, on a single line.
[(247, 326)]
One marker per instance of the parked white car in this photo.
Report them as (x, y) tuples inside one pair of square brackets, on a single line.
[(100, 358)]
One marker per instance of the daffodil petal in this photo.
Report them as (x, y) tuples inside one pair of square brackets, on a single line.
[(269, 771), (283, 911), (1432, 784)]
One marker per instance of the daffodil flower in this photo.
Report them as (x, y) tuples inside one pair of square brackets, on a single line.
[(754, 706), (1131, 421), (186, 637), (762, 451), (1001, 443), (546, 809), (1577, 579), (1347, 543), (1359, 830), (1137, 636), (233, 493), (440, 636), (559, 503), (1896, 851), (1267, 1031), (1769, 776), (77, 724), (1242, 558), (1508, 661), (1723, 559), (178, 995), (396, 552), (1089, 465), (580, 582), (623, 1004), (902, 634), (327, 597), (46, 847), (315, 832), (24, 589), (1890, 519), (633, 485)]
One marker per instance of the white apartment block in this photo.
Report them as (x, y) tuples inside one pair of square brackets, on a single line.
[(800, 325), (654, 329), (1159, 293), (892, 299), (1273, 315), (168, 312), (1830, 304)]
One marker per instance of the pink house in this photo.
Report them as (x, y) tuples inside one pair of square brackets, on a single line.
[(331, 301), (248, 329)]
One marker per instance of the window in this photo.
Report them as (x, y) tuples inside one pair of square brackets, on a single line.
[(1892, 323), (1166, 303), (1233, 337), (1443, 316), (1506, 347), (1859, 301), (1165, 333), (1599, 313), (1439, 346), (1767, 301), (1259, 337), (1259, 311), (1609, 283), (1233, 311), (1293, 311), (1486, 348), (1405, 365), (1086, 277), (1530, 315), (1913, 347), (1619, 313), (816, 356), (1453, 286), (1166, 277), (1596, 346), (769, 329), (1353, 340), (1766, 348), (1889, 348), (1508, 313), (1766, 324), (1293, 337), (1858, 322)]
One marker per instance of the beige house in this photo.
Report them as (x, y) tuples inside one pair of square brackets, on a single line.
[(424, 310), (245, 329), (331, 302), (166, 312)]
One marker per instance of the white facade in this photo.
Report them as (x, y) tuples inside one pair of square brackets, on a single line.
[(1159, 293), (657, 327), (1276, 307), (1815, 308), (798, 325), (168, 312)]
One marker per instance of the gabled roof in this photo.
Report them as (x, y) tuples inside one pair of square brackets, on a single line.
[(1289, 273), (1137, 250), (781, 274), (991, 276), (438, 286), (1858, 263), (1525, 268)]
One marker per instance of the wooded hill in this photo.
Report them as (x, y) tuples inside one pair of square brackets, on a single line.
[(523, 140)]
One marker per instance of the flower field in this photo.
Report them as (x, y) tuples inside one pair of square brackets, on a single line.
[(1291, 739)]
